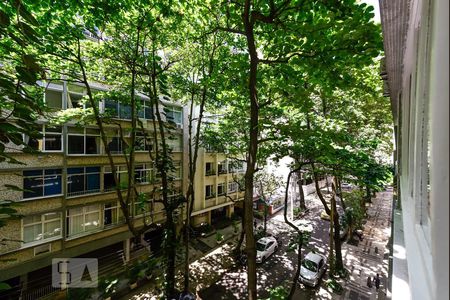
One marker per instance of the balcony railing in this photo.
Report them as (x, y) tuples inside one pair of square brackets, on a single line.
[(210, 172), (210, 196), (222, 171)]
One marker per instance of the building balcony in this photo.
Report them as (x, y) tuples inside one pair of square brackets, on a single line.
[(210, 173)]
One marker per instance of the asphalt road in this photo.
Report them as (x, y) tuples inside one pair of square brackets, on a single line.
[(279, 269)]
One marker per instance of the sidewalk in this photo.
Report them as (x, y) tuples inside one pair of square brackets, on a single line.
[(371, 255), (207, 265)]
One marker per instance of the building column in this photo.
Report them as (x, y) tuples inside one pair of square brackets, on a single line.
[(126, 249), (24, 281), (209, 217), (230, 211)]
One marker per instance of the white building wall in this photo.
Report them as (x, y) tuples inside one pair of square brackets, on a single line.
[(424, 121)]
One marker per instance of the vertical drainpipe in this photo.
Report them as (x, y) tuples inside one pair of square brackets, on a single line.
[(64, 142)]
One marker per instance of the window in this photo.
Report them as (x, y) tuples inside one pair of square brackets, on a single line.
[(50, 140), (143, 174), (222, 167), (175, 143), (83, 219), (236, 166), (108, 179), (143, 144), (221, 189), (83, 180), (112, 214), (53, 99), (111, 108), (40, 183), (83, 141), (232, 187), (41, 227), (174, 114), (145, 110), (209, 169), (117, 110), (209, 191), (115, 144), (176, 174)]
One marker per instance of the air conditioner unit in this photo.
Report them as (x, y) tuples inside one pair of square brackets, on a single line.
[(179, 126), (42, 249)]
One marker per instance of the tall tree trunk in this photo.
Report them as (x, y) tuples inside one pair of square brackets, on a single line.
[(331, 257), (319, 193), (266, 208), (299, 239), (252, 151), (337, 227), (302, 196)]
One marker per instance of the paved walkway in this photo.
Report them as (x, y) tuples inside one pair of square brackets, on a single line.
[(371, 255)]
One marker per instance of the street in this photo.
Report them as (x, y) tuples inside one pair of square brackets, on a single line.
[(280, 268)]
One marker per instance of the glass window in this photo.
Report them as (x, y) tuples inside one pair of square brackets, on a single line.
[(143, 144), (53, 99), (83, 141), (108, 179), (111, 108), (50, 139), (232, 187), (124, 111), (145, 110), (177, 172), (222, 167), (41, 227), (75, 100), (83, 180), (174, 114), (221, 189), (83, 219), (175, 142), (39, 183), (112, 214), (142, 174), (209, 170), (209, 191)]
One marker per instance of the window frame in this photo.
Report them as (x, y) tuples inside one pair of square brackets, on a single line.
[(85, 183), (84, 135), (84, 213), (42, 222), (43, 176)]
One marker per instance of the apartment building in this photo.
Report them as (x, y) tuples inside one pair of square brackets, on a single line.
[(69, 202), (218, 187), (416, 38)]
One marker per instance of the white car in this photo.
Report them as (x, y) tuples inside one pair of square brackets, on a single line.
[(312, 269), (265, 247)]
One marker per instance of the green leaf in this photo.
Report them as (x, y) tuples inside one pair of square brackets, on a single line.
[(26, 75), (30, 62), (28, 16), (28, 32)]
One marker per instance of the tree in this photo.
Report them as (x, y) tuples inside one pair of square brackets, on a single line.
[(267, 185), (269, 28)]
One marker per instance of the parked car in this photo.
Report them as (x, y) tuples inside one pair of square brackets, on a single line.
[(265, 247), (312, 269)]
